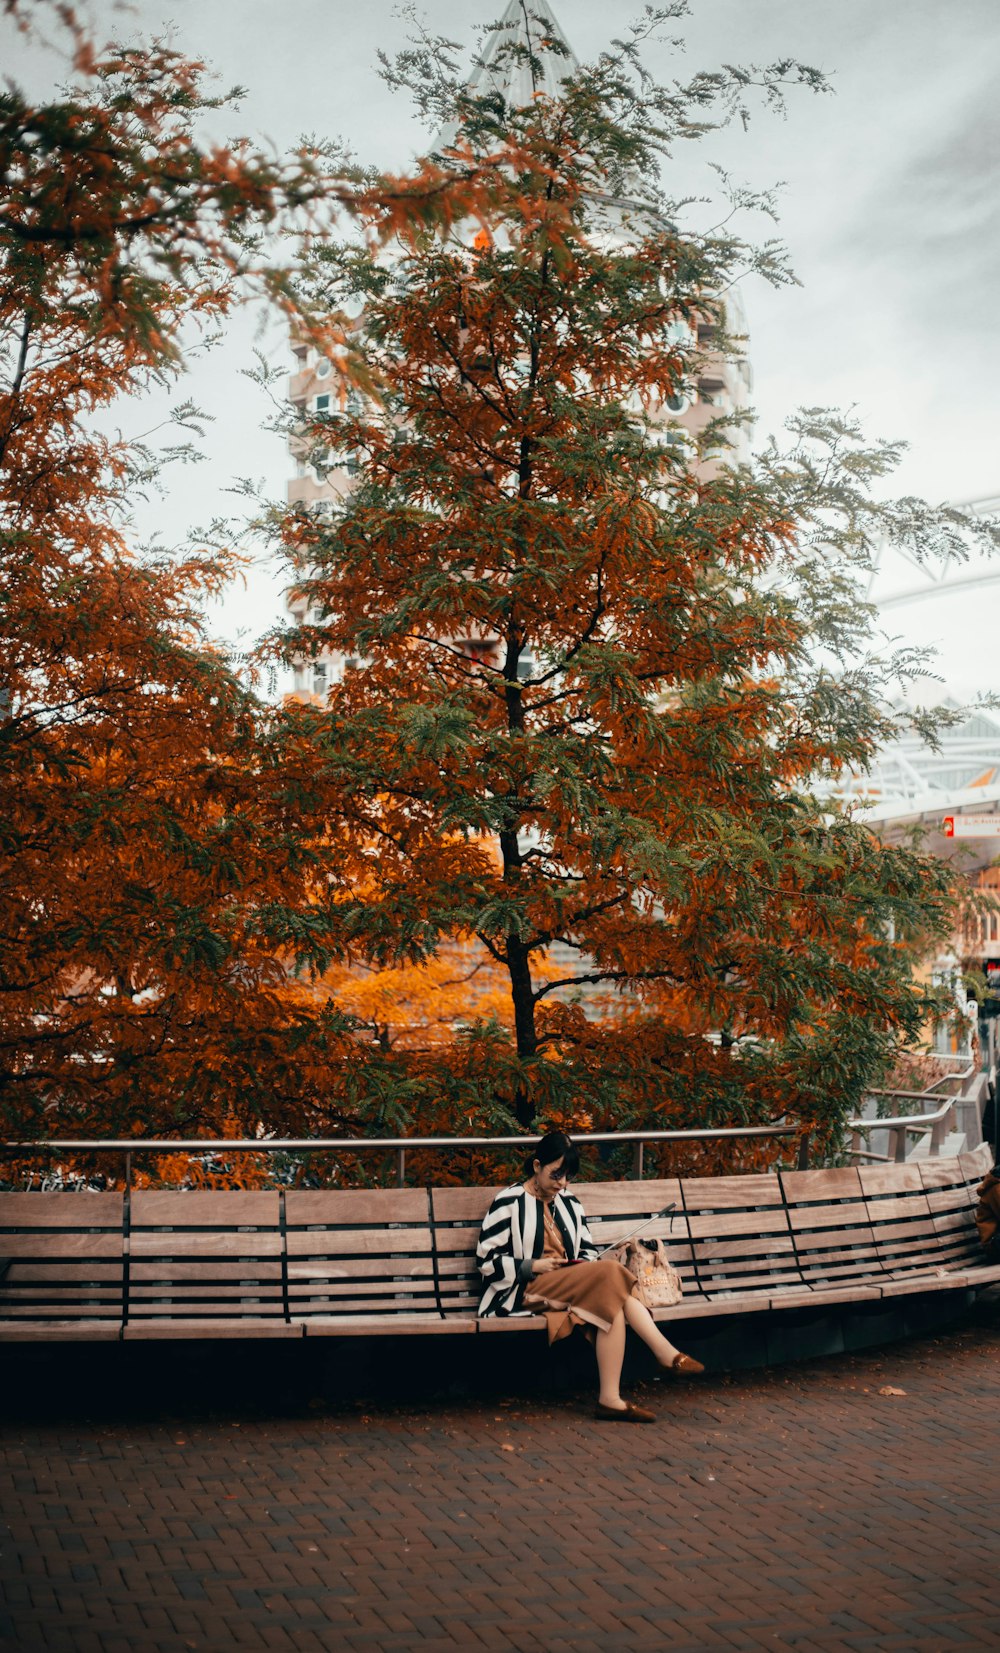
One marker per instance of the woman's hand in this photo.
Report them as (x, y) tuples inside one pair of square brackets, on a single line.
[(541, 1265)]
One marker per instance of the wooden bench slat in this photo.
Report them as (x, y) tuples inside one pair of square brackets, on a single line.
[(351, 1307), (50, 1331), (974, 1163), (890, 1179), (951, 1232), (399, 1325), (87, 1285), (83, 1307), (206, 1303), (359, 1242), (887, 1209), (196, 1208), (756, 1191), (841, 1268), (209, 1244), (149, 1291), (767, 1245), (915, 1231), (711, 1283), (513, 1323), (630, 1199), (44, 1212), (855, 1242), (905, 1257), (951, 1173), (366, 1208), (717, 1254), (711, 1308), (855, 1259), (62, 1244), (941, 1253), (247, 1326), (43, 1281), (403, 1270), (713, 1286), (908, 1237), (820, 1187), (983, 1273), (824, 1293), (738, 1222), (943, 1204), (149, 1270), (383, 1285), (849, 1214), (904, 1285)]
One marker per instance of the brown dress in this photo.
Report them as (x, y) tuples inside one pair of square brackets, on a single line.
[(576, 1294)]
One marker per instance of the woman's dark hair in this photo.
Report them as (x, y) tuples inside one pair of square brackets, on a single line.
[(554, 1145)]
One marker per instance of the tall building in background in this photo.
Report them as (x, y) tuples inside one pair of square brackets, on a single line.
[(720, 389)]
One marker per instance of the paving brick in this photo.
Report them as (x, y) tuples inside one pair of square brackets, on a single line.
[(795, 1510)]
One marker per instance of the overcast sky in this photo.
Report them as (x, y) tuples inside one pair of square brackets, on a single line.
[(891, 212)]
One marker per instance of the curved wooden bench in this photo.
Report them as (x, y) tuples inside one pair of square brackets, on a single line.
[(368, 1262)]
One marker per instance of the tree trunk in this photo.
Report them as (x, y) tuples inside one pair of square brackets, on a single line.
[(523, 996), (521, 988)]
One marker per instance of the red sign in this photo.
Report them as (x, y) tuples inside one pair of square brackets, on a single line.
[(971, 826)]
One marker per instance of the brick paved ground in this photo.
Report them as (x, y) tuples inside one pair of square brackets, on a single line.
[(797, 1508)]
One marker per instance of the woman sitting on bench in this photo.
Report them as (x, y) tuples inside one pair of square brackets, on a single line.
[(536, 1256)]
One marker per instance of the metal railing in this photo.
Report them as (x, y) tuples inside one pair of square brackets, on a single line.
[(399, 1145), (902, 1125), (898, 1128)]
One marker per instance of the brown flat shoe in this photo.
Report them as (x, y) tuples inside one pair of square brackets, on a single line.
[(684, 1366), (628, 1414)]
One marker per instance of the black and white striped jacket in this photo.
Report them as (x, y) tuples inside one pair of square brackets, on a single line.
[(513, 1233)]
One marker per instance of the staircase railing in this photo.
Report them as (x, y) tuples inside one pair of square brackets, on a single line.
[(938, 1122)]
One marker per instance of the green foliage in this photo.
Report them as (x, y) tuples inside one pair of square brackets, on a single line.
[(604, 674)]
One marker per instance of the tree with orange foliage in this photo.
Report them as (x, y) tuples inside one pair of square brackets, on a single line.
[(136, 986), (617, 772), (160, 859)]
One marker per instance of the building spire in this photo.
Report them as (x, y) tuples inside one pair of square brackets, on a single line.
[(526, 53)]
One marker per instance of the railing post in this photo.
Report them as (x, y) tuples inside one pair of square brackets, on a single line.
[(401, 1167), (803, 1159), (128, 1173), (637, 1161), (899, 1144)]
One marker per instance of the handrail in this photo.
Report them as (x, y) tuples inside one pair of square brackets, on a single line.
[(908, 1118), (919, 1096), (397, 1144), (901, 1124)]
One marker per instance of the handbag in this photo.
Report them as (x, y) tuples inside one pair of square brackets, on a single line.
[(659, 1283)]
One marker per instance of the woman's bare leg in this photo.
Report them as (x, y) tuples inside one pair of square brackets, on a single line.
[(610, 1349), (644, 1326)]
